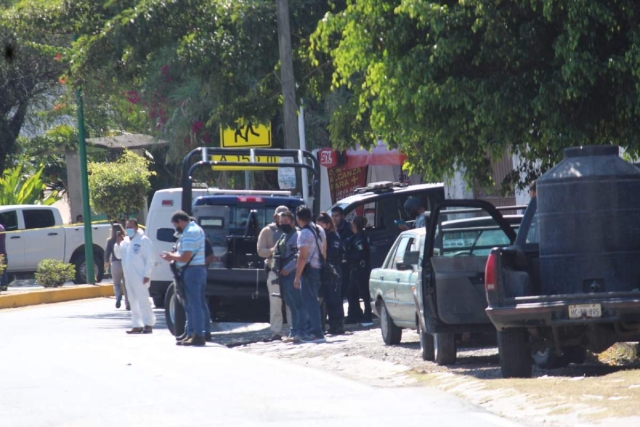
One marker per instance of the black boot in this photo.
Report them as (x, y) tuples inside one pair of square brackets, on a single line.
[(182, 337), (339, 327), (196, 341)]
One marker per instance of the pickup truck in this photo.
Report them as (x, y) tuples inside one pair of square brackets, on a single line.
[(571, 280), (35, 232)]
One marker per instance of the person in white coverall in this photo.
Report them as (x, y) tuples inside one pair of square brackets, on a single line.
[(135, 251)]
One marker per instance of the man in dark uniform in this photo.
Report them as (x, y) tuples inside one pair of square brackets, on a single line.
[(344, 230), (357, 256), (343, 227)]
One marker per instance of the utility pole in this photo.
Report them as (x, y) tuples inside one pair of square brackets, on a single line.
[(288, 81), (84, 179)]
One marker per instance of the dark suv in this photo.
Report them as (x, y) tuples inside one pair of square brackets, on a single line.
[(382, 203)]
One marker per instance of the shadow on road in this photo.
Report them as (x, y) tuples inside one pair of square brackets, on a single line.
[(121, 318)]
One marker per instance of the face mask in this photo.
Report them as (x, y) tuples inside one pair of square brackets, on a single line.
[(179, 230), (286, 228), (131, 232)]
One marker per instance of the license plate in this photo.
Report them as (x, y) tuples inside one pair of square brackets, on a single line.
[(579, 311)]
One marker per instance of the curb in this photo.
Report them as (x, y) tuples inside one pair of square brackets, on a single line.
[(47, 296)]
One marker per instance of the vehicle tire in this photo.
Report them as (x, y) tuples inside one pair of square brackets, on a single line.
[(578, 355), (391, 334), (515, 353), (444, 346), (174, 312), (427, 348), (548, 359), (81, 268), (158, 302)]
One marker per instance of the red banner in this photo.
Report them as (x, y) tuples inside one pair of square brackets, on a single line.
[(343, 182)]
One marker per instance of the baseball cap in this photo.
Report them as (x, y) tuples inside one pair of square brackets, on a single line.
[(281, 209)]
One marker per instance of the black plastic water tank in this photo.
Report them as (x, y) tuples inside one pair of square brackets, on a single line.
[(589, 219)]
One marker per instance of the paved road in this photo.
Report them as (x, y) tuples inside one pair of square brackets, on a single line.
[(71, 364)]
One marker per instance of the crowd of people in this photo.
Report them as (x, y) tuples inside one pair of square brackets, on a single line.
[(294, 247)]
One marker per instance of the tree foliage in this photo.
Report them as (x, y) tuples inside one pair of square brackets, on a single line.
[(16, 188), (119, 188), (451, 82), (28, 71), (188, 65)]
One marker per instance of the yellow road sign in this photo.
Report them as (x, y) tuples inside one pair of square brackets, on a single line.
[(246, 136), (255, 166)]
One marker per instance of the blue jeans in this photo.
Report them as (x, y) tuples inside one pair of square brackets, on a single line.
[(293, 299), (206, 314), (309, 287), (195, 278)]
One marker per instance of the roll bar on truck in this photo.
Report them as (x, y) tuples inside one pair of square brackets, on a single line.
[(205, 156)]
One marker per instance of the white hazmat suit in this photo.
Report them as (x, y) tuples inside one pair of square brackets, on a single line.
[(136, 255)]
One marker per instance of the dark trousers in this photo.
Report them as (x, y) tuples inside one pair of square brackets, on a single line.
[(332, 294), (359, 289)]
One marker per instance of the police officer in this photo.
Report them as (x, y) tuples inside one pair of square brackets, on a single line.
[(332, 292), (357, 256), (414, 208)]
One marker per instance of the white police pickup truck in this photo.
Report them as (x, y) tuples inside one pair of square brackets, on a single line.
[(35, 232)]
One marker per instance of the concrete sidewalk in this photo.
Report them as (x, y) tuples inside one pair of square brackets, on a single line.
[(25, 294)]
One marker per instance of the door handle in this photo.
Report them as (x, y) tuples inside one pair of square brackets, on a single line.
[(398, 279), (52, 234), (15, 237), (381, 277)]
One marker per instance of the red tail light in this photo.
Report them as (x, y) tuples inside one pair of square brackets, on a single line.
[(490, 272), (250, 199)]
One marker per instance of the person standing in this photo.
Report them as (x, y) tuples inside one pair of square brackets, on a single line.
[(135, 250), (343, 227), (4, 281), (267, 239), (115, 263), (206, 313), (357, 256), (333, 291), (190, 257), (285, 261), (311, 244)]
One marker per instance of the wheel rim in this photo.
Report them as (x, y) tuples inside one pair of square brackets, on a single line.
[(384, 321), (172, 310)]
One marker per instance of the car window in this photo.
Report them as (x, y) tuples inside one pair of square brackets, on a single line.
[(166, 235), (405, 244), (38, 218), (533, 236), (239, 216), (388, 262), (468, 232), (9, 220)]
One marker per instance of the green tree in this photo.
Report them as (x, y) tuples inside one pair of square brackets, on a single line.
[(118, 189), (451, 82), (28, 73), (190, 65)]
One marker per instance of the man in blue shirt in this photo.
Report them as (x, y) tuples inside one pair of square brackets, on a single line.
[(190, 257)]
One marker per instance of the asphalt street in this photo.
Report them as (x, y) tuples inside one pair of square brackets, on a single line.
[(71, 364)]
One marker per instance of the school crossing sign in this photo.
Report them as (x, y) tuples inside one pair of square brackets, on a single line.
[(247, 135)]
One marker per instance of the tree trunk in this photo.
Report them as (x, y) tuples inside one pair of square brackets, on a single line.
[(9, 131)]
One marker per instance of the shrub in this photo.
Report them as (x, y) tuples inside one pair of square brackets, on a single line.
[(52, 273)]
